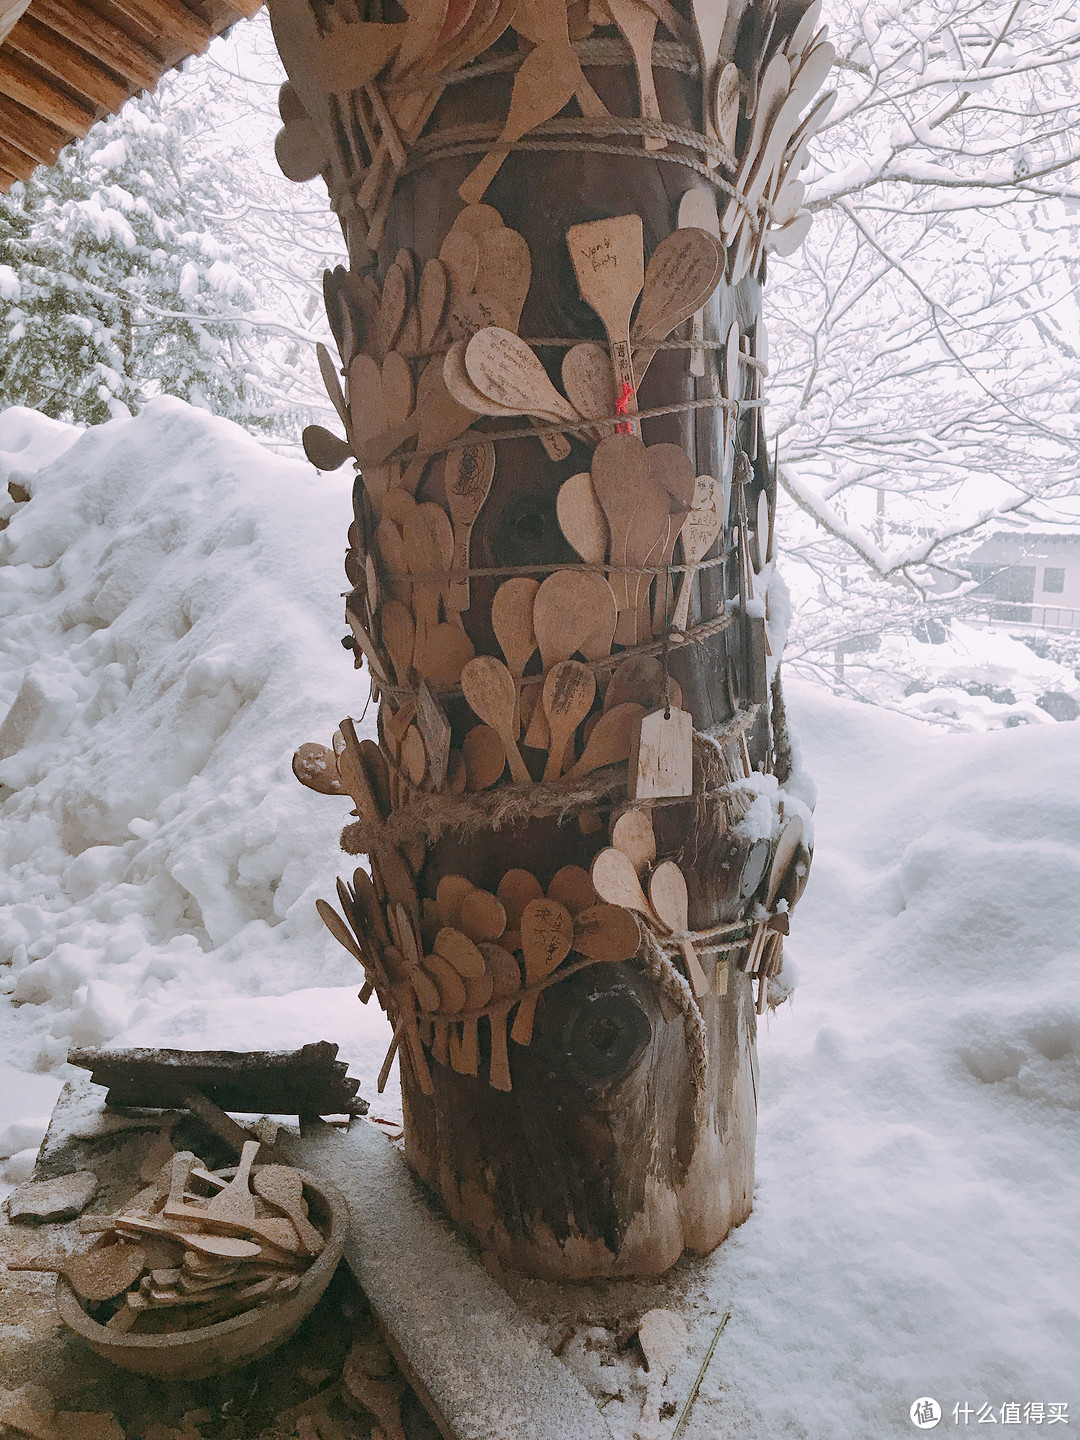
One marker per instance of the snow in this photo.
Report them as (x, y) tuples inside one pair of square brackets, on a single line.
[(973, 678), (914, 1225), (169, 627), (21, 1134), (762, 818), (111, 156), (169, 623), (104, 222)]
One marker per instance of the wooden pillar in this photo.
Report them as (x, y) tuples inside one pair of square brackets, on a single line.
[(616, 1126)]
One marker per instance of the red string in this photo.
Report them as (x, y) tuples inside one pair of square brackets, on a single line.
[(622, 406)]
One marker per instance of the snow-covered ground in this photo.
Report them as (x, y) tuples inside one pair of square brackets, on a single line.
[(965, 676), (915, 1225), (169, 615)]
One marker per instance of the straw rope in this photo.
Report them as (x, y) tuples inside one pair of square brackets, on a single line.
[(373, 453)]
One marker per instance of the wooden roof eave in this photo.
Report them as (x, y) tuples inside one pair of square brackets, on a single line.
[(66, 64)]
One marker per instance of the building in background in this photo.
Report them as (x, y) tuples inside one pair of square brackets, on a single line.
[(1026, 578)]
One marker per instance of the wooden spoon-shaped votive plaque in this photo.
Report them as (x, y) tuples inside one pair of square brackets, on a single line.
[(699, 533), (633, 834), (283, 1187), (399, 637), (617, 882), (606, 932), (505, 369), (684, 270), (609, 261), (483, 915), (516, 888), (459, 951), (549, 76), (572, 887), (581, 519), (468, 476), (570, 607), (484, 757), (697, 211), (673, 471), (449, 893), (512, 621), (506, 983), (787, 848), (638, 24), (547, 933), (668, 897), (709, 19), (569, 691), (611, 740), (502, 279), (235, 1201), (104, 1272), (589, 382), (491, 693), (636, 508), (315, 766)]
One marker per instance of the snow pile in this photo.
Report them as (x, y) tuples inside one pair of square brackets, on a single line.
[(914, 1231), (169, 625), (966, 676)]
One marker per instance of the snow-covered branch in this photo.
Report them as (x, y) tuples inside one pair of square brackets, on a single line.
[(926, 338)]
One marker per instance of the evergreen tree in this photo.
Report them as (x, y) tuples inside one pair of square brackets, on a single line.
[(117, 282)]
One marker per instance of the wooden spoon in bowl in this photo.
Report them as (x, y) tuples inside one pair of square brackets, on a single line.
[(283, 1187)]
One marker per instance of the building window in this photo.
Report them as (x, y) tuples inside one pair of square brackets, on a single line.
[(1053, 580), (1005, 582)]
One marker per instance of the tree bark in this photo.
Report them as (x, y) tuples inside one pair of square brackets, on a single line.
[(618, 1146)]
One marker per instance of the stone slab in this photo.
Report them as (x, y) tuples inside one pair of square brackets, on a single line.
[(61, 1198), (478, 1363)]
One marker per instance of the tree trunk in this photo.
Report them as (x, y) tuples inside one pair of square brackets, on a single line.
[(628, 1133)]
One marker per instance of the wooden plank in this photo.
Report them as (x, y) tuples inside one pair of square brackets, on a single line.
[(215, 1119), (247, 8), (11, 12), (18, 81), (272, 1082), (101, 40), (478, 1364), (169, 19), (15, 162), (757, 683), (76, 71), (29, 133)]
